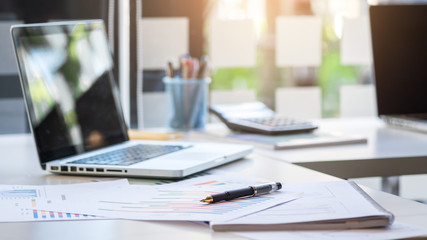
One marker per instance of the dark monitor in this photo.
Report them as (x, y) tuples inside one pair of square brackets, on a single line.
[(66, 75), (399, 44)]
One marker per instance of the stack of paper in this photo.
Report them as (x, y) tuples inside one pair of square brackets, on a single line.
[(37, 203), (117, 199), (328, 205), (176, 201), (395, 231), (324, 206), (218, 132)]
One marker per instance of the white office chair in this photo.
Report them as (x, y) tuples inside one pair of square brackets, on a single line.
[(358, 101), (299, 102)]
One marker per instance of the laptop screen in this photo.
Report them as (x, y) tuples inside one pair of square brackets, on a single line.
[(71, 96), (399, 43)]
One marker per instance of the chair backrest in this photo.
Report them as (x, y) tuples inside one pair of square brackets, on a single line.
[(299, 102), (357, 101)]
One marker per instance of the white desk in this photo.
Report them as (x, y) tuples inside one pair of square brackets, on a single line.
[(389, 151), (19, 165)]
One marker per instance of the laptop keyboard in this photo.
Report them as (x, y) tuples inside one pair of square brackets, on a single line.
[(130, 155)]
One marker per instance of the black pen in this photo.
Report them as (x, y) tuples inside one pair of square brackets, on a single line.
[(244, 192)]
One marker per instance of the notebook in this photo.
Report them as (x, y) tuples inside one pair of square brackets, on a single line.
[(399, 57), (319, 138), (75, 114), (323, 206)]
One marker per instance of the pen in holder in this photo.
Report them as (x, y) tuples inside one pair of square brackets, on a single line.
[(187, 102)]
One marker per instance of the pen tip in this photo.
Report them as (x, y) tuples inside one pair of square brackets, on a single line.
[(207, 199)]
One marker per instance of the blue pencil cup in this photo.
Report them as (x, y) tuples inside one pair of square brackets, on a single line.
[(187, 103)]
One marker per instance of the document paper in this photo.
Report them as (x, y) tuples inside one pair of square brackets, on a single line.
[(20, 203), (331, 202), (395, 231), (176, 201)]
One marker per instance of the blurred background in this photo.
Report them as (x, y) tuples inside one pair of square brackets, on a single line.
[(261, 47), (249, 42)]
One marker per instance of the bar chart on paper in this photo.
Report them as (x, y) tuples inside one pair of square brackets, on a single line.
[(18, 194), (181, 201), (19, 203), (210, 183), (51, 215)]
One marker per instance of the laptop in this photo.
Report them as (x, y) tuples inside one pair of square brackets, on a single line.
[(75, 114), (399, 44)]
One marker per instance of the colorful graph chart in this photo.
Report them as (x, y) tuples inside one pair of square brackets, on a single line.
[(210, 183), (18, 193), (18, 203), (50, 215), (169, 201)]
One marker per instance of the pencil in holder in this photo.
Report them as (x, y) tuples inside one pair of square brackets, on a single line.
[(187, 103)]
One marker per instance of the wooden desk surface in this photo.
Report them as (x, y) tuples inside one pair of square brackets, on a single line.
[(19, 165)]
